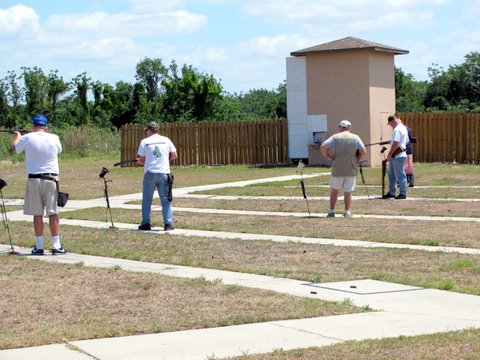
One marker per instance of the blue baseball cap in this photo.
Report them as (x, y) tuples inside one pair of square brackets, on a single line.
[(40, 120)]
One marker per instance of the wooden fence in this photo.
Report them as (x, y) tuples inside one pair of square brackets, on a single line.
[(445, 137), (442, 137), (217, 143)]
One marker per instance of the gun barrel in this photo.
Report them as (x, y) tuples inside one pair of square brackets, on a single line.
[(378, 143), (22, 132), (120, 163)]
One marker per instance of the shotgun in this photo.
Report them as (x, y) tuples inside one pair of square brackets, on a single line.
[(121, 163), (22, 132), (379, 143)]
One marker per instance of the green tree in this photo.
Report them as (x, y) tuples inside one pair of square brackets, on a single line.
[(36, 93), (150, 73), (190, 96), (472, 70), (14, 96), (409, 94), (122, 111), (82, 85), (3, 103), (436, 96), (56, 88)]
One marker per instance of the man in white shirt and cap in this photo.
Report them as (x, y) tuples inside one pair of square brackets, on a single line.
[(345, 149)]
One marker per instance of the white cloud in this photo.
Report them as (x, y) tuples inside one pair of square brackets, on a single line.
[(127, 25), (148, 6), (324, 13), (19, 20), (108, 45), (278, 46)]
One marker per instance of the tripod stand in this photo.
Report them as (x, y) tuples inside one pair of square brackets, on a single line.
[(360, 168), (300, 167), (384, 164), (384, 170), (104, 172), (3, 183)]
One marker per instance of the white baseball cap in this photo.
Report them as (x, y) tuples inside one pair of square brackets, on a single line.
[(344, 124)]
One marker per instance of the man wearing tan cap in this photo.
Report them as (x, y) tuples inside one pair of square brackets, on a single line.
[(345, 150), (155, 153)]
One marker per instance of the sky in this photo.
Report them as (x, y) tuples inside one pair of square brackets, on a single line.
[(242, 43)]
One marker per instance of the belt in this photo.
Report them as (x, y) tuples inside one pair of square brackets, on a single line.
[(39, 176)]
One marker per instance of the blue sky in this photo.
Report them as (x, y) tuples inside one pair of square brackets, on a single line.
[(243, 43)]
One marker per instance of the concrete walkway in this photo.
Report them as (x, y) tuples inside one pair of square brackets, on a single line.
[(398, 309)]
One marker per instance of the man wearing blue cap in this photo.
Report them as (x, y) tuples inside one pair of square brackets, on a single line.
[(41, 161)]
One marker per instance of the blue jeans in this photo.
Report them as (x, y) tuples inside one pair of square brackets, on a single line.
[(396, 172), (159, 182)]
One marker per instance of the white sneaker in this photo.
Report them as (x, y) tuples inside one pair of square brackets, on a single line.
[(347, 214)]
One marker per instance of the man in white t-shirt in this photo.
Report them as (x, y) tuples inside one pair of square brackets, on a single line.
[(397, 157), (41, 161), (155, 153)]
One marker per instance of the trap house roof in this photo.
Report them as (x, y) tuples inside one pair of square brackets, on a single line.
[(348, 44)]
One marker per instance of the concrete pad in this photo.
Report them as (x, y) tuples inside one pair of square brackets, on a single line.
[(364, 287), (47, 352), (265, 337), (204, 343)]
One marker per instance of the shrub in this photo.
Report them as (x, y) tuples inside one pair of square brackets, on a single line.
[(82, 141)]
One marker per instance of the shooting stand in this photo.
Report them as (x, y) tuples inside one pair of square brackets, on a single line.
[(384, 163), (384, 170), (3, 183), (300, 167), (360, 168), (105, 194)]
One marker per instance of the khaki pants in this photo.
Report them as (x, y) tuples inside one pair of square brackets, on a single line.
[(40, 196)]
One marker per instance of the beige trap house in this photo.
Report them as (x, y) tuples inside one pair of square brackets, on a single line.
[(351, 79)]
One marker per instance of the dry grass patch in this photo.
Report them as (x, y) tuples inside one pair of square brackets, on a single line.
[(309, 262), (442, 233), (368, 207), (318, 186), (62, 302), (79, 177)]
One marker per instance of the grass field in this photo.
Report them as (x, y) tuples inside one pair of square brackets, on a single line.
[(147, 303)]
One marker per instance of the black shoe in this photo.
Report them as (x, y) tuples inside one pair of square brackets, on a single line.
[(36, 251), (400, 197), (411, 185), (146, 226), (60, 251), (388, 196), (168, 227)]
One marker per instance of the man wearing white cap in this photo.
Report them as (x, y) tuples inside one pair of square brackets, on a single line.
[(345, 150)]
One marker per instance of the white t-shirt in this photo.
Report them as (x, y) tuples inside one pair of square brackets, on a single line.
[(41, 152), (156, 149), (400, 134)]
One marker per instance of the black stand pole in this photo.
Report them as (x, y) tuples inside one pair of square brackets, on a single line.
[(4, 217), (102, 174), (384, 170), (360, 168), (299, 169), (107, 201)]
